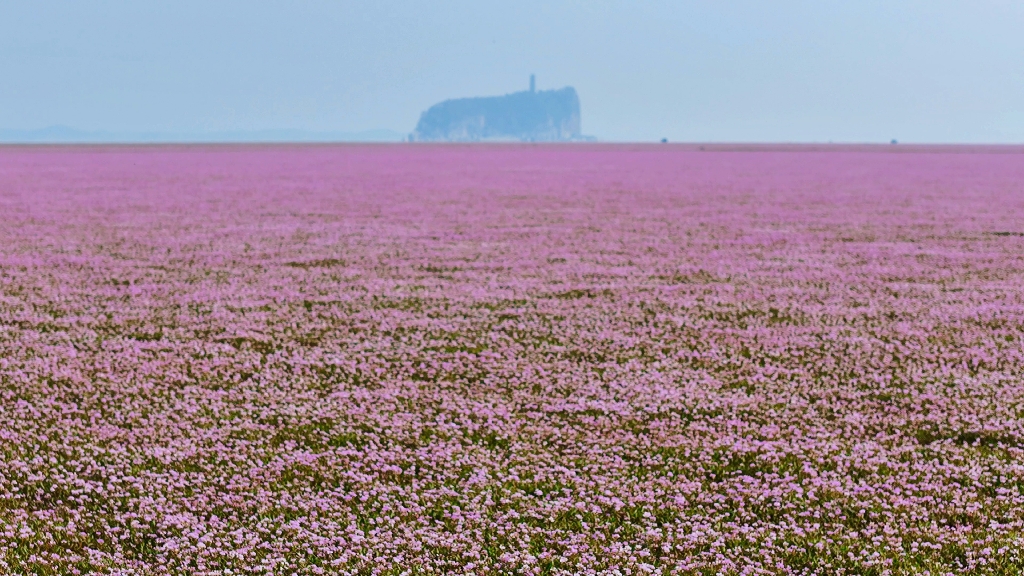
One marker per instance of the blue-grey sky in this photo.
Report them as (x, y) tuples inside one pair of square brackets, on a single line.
[(723, 70)]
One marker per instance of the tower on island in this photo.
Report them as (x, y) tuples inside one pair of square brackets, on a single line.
[(533, 83)]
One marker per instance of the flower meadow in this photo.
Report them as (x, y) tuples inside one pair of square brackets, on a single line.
[(511, 359)]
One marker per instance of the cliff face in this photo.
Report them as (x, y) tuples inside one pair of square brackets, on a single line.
[(544, 116)]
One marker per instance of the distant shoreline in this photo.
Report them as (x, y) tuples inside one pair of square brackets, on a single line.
[(646, 146), (66, 135)]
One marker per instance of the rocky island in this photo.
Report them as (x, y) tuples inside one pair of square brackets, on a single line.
[(528, 116)]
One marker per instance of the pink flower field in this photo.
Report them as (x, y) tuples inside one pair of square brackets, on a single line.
[(578, 359)]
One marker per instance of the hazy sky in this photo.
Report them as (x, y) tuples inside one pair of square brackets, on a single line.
[(715, 70)]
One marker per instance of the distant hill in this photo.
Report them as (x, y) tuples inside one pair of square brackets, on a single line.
[(530, 116), (65, 135)]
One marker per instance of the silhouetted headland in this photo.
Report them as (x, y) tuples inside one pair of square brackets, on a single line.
[(527, 116)]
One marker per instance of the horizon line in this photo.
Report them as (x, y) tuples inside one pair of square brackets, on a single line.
[(709, 146)]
